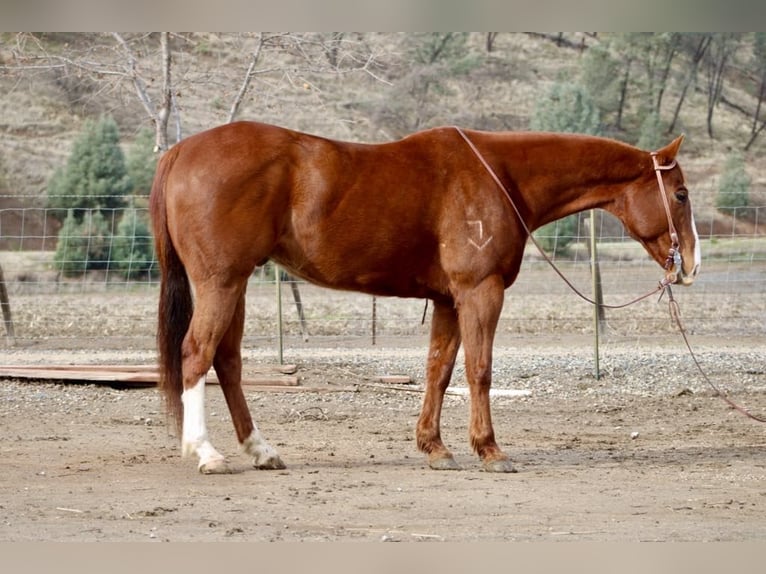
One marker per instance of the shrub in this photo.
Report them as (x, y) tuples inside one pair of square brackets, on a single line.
[(132, 246), (651, 135), (567, 108), (556, 236), (83, 244)]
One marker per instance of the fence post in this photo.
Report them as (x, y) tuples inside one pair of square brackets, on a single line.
[(597, 294), (374, 317), (6, 305), (280, 335)]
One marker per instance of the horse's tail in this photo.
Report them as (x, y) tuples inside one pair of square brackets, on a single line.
[(176, 304)]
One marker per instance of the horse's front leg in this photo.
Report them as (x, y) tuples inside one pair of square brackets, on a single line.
[(445, 341), (478, 311)]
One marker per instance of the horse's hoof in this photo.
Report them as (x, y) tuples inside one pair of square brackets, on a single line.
[(443, 463), (216, 467), (499, 465), (271, 463)]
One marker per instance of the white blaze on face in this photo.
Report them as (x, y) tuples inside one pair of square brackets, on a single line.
[(195, 438), (689, 279), (697, 250)]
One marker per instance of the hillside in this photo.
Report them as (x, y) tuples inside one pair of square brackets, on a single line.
[(43, 106)]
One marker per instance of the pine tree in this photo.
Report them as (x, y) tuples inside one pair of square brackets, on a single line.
[(132, 247), (83, 245), (95, 176), (141, 162)]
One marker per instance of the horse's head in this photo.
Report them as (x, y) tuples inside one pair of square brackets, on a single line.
[(658, 213)]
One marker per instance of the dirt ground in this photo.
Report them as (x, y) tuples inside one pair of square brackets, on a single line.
[(645, 452), (597, 460)]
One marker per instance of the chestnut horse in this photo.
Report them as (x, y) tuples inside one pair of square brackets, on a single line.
[(436, 215)]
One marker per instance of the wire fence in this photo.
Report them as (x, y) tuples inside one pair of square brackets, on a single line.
[(98, 286)]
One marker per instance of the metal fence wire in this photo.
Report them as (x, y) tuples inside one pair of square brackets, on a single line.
[(99, 283)]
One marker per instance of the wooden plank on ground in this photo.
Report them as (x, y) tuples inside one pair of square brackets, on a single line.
[(141, 375), (395, 379)]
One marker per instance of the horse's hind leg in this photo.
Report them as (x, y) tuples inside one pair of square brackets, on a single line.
[(445, 341), (228, 367), (214, 308)]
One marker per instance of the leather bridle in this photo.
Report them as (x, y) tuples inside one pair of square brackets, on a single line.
[(673, 262)]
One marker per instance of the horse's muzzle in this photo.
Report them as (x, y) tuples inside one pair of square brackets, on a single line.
[(677, 276)]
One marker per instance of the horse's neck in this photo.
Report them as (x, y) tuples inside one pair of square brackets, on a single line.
[(558, 175)]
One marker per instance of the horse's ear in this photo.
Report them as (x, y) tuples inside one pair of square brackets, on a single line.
[(667, 154)]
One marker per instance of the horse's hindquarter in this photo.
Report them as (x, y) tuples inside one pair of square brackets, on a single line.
[(227, 198)]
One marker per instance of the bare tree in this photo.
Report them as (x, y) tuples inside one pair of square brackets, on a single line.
[(722, 47), (696, 45), (101, 66), (490, 41), (327, 55), (159, 114), (111, 60)]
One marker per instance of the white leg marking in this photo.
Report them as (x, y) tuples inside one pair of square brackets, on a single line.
[(195, 438), (264, 455)]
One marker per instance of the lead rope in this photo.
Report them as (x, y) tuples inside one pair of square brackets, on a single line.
[(664, 285), (675, 313)]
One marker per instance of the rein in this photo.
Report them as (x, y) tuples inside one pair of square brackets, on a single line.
[(673, 261), (675, 313)]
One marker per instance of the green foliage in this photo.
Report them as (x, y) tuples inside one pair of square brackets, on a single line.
[(95, 176), (83, 244), (651, 135), (568, 107), (600, 78), (759, 50), (132, 246), (734, 187), (141, 162), (94, 186), (432, 47)]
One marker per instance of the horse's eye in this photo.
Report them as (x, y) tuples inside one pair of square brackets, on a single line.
[(682, 195)]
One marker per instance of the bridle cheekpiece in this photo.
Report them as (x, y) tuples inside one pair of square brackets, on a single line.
[(673, 262)]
